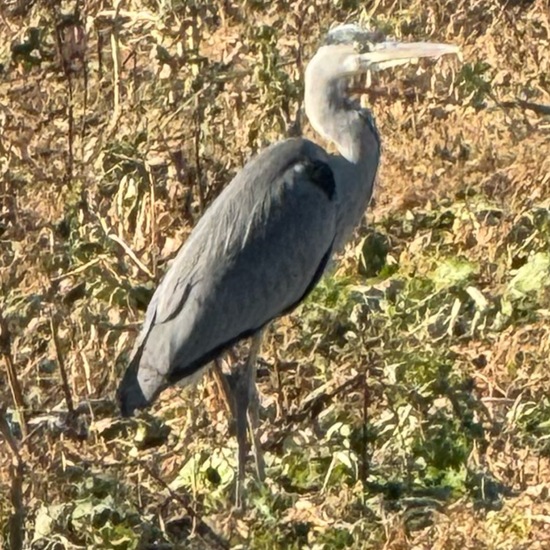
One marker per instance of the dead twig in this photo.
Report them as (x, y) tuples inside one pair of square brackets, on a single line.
[(15, 387), (115, 48), (213, 540), (314, 406), (77, 270), (71, 46), (538, 108), (153, 217), (311, 408), (16, 521), (5, 430), (131, 254), (365, 419), (62, 370), (198, 162)]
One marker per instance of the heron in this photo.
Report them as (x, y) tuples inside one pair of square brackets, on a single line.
[(266, 240)]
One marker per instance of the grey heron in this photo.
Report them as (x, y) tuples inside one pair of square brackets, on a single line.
[(266, 240)]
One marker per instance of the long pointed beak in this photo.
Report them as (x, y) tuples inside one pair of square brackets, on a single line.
[(390, 54)]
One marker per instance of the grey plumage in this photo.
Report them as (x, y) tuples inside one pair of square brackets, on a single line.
[(266, 240), (237, 271)]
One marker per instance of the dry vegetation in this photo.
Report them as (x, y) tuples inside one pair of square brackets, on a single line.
[(406, 404)]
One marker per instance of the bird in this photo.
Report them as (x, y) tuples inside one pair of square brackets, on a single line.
[(267, 239)]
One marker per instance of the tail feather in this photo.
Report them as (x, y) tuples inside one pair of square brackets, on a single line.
[(129, 394)]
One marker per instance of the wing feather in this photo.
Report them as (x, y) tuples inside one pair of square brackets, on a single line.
[(257, 251)]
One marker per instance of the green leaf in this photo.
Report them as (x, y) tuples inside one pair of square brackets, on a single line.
[(530, 277), (45, 521), (453, 272)]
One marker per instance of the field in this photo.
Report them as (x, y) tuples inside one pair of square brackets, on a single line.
[(405, 404)]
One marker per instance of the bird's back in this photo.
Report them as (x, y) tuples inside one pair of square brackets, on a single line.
[(255, 254)]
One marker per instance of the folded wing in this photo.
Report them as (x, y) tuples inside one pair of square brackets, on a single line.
[(255, 254)]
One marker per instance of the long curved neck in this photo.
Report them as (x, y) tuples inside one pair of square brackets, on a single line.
[(331, 114), (352, 130), (355, 184)]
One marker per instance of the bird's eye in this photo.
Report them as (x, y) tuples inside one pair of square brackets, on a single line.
[(362, 47)]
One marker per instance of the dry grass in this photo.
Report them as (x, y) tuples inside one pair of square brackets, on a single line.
[(119, 125)]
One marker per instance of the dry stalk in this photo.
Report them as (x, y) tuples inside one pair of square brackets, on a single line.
[(115, 47), (13, 381), (67, 41), (198, 163), (131, 254), (364, 448), (223, 386), (62, 370), (203, 530), (77, 270), (16, 522), (153, 218)]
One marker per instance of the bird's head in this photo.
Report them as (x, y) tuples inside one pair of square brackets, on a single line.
[(350, 50)]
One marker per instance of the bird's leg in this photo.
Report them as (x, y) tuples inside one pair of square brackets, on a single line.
[(246, 411), (281, 409), (236, 396), (224, 387), (254, 403), (240, 406)]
